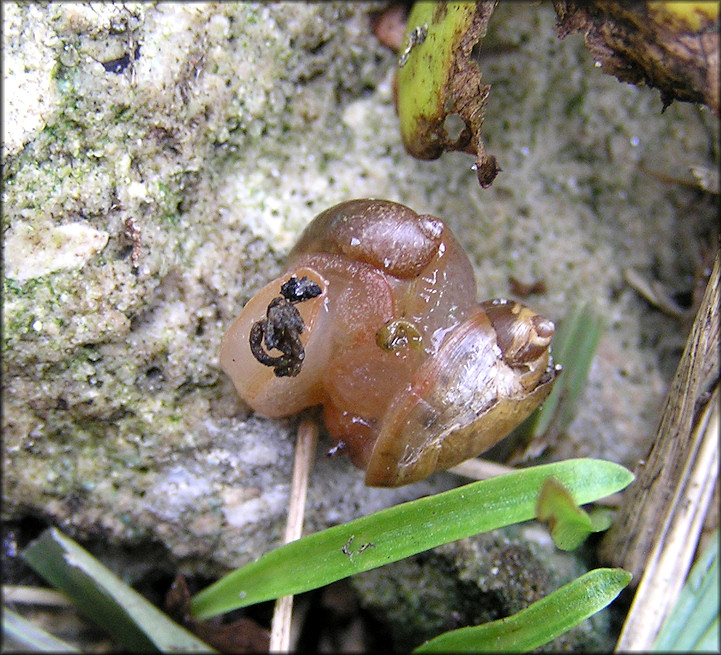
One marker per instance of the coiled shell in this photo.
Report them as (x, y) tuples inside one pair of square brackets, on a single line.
[(413, 374)]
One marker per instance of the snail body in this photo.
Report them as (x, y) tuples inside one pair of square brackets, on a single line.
[(413, 374)]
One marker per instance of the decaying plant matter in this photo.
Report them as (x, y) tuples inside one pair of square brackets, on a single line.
[(670, 46), (438, 78)]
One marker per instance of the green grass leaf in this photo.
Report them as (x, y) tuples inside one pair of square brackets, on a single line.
[(19, 635), (132, 621), (574, 346), (398, 532), (693, 624), (540, 622)]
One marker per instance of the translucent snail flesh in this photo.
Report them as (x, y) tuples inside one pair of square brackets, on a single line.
[(375, 319)]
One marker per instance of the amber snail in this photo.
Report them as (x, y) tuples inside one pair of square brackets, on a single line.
[(375, 319)]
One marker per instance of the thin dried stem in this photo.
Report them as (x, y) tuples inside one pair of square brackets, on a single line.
[(671, 557), (304, 454), (645, 513), (26, 595), (480, 469)]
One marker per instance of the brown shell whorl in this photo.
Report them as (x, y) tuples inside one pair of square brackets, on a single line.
[(375, 318)]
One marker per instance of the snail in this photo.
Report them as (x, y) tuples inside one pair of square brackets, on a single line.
[(375, 318)]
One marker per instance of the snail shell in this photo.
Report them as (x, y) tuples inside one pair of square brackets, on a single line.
[(413, 374)]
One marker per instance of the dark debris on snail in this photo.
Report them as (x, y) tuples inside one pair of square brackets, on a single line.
[(375, 319), (281, 328)]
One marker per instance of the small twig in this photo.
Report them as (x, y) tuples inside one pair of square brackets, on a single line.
[(654, 293), (304, 454)]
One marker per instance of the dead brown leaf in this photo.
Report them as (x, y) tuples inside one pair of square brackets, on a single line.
[(241, 636), (639, 44)]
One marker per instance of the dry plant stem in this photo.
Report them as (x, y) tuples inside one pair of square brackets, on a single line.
[(670, 559), (304, 454), (653, 292), (26, 595), (480, 469), (648, 506)]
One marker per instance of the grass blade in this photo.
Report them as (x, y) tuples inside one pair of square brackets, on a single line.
[(19, 635), (690, 625), (132, 621), (398, 532), (574, 346), (708, 642), (540, 622)]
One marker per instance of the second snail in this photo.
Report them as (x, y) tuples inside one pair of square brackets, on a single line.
[(375, 318)]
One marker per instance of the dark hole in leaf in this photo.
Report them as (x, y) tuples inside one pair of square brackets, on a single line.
[(453, 125)]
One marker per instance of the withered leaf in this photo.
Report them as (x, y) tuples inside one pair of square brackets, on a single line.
[(437, 79), (651, 43)]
